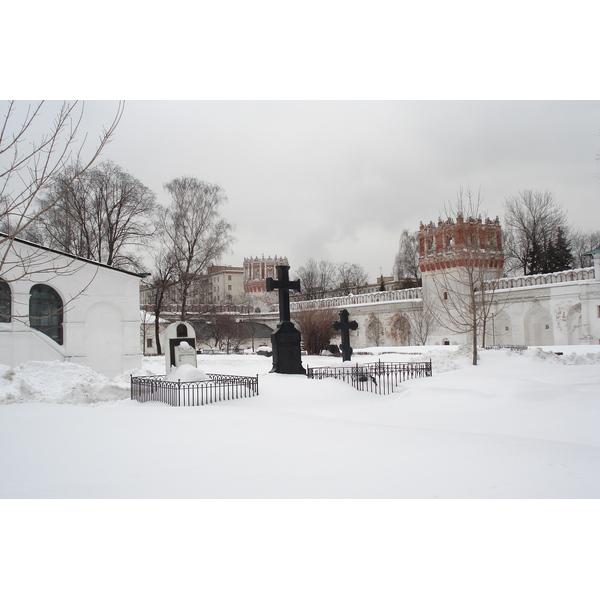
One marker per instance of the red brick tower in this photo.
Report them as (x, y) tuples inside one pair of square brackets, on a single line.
[(256, 270), (464, 242)]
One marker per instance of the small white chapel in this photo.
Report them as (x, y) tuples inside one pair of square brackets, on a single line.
[(56, 306)]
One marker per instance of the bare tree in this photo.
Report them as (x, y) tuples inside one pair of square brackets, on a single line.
[(581, 243), (28, 164), (99, 216), (532, 219), (317, 278), (423, 323), (351, 277), (196, 233), (224, 331), (406, 264), (315, 328), (162, 279)]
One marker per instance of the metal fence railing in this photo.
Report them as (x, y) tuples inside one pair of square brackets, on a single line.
[(379, 377), (153, 388)]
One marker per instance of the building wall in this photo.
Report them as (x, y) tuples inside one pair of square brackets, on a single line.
[(225, 285), (101, 319), (553, 309)]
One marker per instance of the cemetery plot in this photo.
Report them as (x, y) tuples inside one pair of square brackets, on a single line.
[(379, 377), (154, 388)]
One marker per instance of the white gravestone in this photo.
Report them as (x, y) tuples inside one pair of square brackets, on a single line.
[(185, 355), (176, 334)]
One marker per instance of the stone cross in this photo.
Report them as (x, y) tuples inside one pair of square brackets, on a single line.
[(284, 285), (286, 339), (344, 326)]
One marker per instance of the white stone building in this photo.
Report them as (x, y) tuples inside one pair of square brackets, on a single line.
[(55, 306), (225, 285)]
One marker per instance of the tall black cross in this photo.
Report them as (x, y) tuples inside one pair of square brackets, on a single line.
[(344, 326), (284, 285)]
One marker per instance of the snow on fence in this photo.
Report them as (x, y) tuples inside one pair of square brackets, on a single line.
[(379, 377), (153, 388)]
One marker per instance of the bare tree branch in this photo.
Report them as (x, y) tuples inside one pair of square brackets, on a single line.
[(532, 219), (27, 166), (195, 232)]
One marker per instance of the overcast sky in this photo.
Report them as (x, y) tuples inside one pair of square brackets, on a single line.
[(339, 180), (333, 179)]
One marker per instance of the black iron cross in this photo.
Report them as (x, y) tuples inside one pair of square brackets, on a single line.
[(284, 285), (344, 326)]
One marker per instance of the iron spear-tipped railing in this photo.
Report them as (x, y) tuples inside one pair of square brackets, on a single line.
[(380, 377), (153, 388)]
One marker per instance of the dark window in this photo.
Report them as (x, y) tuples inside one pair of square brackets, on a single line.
[(181, 330), (46, 312), (4, 302), (149, 343)]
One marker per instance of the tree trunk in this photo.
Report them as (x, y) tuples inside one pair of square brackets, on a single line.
[(474, 346), (157, 330)]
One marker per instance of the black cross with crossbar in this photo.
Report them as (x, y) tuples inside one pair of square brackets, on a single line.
[(284, 285), (344, 326)]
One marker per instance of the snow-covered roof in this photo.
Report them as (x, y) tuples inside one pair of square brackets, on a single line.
[(148, 317)]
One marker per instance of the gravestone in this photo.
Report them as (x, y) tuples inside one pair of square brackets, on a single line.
[(185, 355), (344, 326), (176, 333), (285, 340)]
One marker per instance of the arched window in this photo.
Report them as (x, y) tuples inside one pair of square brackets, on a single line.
[(5, 302), (46, 312)]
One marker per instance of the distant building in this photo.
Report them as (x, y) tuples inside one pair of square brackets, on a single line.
[(225, 285), (256, 270), (220, 285)]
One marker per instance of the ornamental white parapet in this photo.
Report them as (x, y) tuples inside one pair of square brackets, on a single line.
[(353, 300), (541, 279)]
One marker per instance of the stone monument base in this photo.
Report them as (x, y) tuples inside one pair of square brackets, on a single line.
[(285, 341)]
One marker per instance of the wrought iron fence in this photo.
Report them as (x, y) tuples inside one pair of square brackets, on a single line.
[(379, 377), (153, 388)]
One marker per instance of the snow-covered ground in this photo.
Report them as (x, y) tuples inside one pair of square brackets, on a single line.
[(516, 426)]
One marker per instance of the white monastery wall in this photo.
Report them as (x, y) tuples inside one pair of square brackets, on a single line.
[(552, 309)]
